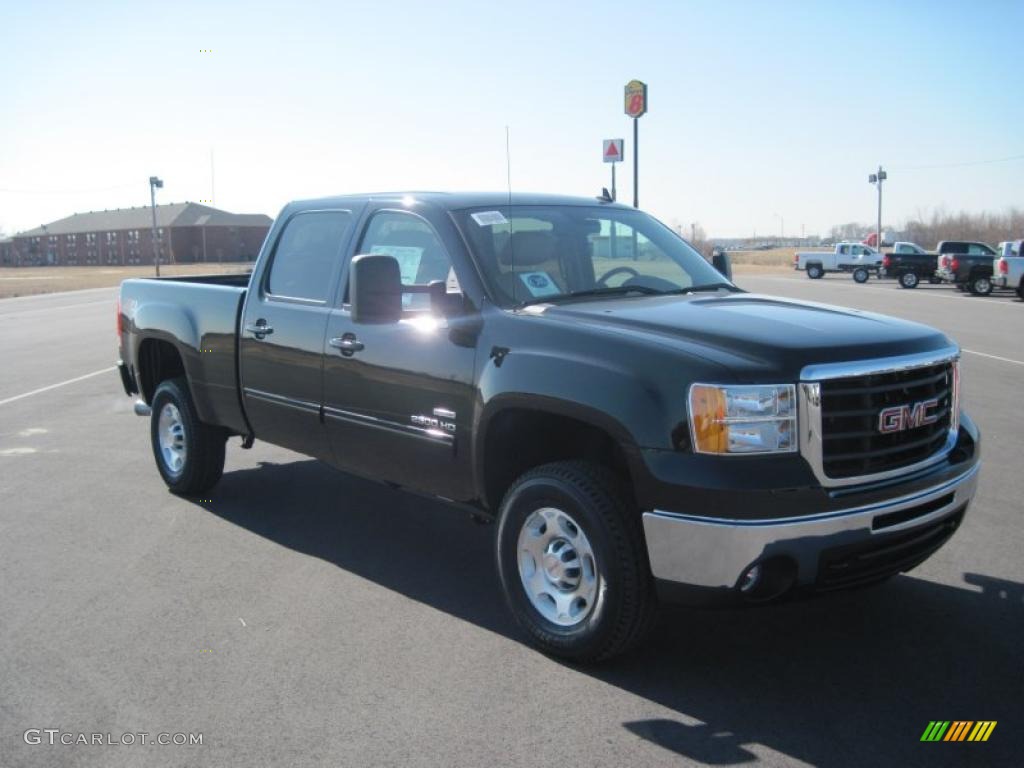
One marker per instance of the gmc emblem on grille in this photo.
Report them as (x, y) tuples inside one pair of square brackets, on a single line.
[(901, 417)]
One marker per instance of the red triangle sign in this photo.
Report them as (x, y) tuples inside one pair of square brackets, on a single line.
[(613, 150)]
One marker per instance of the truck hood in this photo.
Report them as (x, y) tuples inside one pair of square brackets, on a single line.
[(752, 335)]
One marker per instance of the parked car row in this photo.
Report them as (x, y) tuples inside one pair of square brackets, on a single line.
[(970, 266)]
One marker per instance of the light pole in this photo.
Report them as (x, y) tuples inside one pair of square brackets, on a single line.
[(877, 179), (154, 185)]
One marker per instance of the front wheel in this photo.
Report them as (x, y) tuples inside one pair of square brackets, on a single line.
[(860, 275), (980, 286), (572, 562), (188, 453), (908, 280)]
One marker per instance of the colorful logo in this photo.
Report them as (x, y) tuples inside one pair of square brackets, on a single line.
[(958, 730)]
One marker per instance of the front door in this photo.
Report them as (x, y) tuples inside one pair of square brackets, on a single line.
[(398, 397), (282, 334)]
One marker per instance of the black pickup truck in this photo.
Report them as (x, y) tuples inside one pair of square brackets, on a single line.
[(968, 265), (909, 263), (639, 429)]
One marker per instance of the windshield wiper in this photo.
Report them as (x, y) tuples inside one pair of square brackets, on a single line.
[(620, 290)]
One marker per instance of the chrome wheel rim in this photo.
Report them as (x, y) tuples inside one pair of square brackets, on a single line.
[(557, 567), (171, 435), (982, 286)]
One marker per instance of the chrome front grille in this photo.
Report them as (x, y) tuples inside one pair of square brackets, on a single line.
[(841, 409)]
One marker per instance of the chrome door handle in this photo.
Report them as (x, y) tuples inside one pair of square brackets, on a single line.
[(259, 330), (348, 344)]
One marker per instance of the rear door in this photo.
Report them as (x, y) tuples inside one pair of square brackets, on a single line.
[(283, 325), (399, 406)]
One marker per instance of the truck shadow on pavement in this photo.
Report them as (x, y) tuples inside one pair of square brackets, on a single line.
[(849, 680)]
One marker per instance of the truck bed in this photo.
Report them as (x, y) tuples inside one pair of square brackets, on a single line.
[(198, 316)]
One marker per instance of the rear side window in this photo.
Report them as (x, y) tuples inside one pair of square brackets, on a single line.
[(977, 249), (306, 254)]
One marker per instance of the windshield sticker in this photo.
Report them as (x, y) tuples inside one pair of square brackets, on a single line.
[(489, 218), (539, 284), (408, 258)]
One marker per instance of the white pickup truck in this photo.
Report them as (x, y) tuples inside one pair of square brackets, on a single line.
[(1008, 267), (857, 258)]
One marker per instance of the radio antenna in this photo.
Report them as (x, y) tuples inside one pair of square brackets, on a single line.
[(508, 181)]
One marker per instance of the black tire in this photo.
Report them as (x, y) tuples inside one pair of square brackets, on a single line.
[(623, 607), (202, 457), (861, 275), (980, 286), (909, 280), (815, 272), (1020, 290)]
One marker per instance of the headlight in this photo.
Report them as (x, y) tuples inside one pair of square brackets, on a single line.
[(743, 419)]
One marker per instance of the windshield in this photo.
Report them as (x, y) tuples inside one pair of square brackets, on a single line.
[(529, 254)]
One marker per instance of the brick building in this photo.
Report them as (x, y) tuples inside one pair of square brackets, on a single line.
[(186, 233)]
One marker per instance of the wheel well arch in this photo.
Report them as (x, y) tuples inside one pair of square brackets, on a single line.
[(520, 438), (158, 360)]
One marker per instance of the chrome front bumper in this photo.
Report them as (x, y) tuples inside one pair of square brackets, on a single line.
[(716, 553)]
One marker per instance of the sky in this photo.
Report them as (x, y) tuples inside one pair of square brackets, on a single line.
[(764, 117)]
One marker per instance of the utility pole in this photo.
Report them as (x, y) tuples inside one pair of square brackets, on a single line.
[(154, 185), (693, 232), (877, 179)]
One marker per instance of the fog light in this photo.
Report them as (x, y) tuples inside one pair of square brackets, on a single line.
[(750, 579)]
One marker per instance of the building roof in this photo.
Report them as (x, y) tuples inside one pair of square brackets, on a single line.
[(170, 215)]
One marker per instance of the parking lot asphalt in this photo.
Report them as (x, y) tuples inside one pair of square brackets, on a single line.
[(302, 617)]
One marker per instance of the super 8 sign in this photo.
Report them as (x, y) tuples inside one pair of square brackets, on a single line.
[(636, 98)]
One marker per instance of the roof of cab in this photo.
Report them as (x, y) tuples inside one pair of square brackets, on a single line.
[(458, 200)]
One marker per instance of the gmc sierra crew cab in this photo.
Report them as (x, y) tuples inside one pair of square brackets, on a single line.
[(968, 265), (639, 429)]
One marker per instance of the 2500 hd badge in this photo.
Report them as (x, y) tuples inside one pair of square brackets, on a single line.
[(639, 429)]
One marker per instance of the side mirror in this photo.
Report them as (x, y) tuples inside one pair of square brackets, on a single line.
[(720, 261), (375, 289)]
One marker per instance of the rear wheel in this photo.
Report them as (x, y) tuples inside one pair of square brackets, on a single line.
[(980, 286), (572, 562), (814, 271), (860, 275), (908, 280), (188, 453), (1020, 289)]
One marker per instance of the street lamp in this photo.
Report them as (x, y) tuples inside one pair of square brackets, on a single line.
[(154, 185), (877, 179)]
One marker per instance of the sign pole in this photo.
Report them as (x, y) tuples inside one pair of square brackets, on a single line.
[(613, 181), (636, 162), (636, 107)]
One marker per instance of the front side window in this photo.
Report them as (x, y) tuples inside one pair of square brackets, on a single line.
[(421, 257), (977, 249), (306, 254), (532, 254)]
